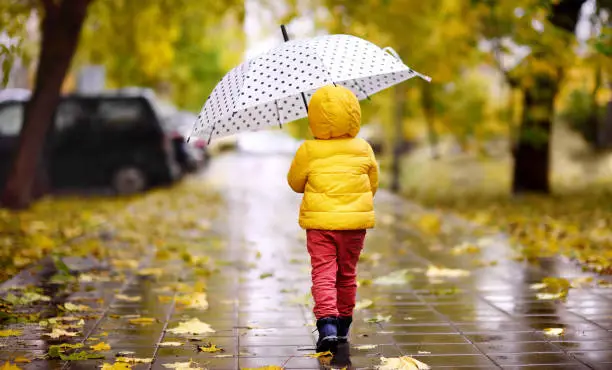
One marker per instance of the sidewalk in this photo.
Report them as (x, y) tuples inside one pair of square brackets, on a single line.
[(252, 264)]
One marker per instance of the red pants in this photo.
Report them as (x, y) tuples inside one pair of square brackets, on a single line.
[(334, 256)]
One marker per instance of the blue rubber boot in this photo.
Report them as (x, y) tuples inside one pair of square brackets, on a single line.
[(328, 334), (344, 323)]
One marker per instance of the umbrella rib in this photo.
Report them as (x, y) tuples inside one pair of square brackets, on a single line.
[(280, 124), (362, 90)]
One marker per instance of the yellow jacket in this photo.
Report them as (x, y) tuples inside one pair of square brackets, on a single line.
[(337, 172)]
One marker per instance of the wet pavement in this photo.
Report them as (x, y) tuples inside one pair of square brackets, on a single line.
[(472, 310)]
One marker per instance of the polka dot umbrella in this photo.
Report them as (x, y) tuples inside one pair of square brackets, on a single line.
[(275, 87)]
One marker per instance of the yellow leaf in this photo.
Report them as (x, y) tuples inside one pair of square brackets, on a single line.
[(182, 365), (127, 298), (430, 224), (8, 366), (402, 363), (134, 360), (22, 360), (71, 307), (142, 321), (101, 347), (549, 296), (125, 264), (209, 347), (57, 333), (366, 347), (554, 331), (441, 272), (193, 326), (364, 303), (465, 248), (319, 354), (537, 286), (194, 300), (152, 271), (10, 333), (116, 366), (268, 367)]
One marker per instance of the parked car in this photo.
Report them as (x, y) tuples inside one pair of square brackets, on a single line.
[(111, 139), (191, 153)]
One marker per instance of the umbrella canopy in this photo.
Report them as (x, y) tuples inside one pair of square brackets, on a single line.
[(275, 87)]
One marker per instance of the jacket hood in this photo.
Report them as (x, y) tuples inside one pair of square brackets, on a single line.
[(334, 112)]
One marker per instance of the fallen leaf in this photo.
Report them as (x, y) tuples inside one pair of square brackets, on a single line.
[(366, 347), (198, 301), (554, 331), (537, 286), (465, 248), (116, 366), (581, 281), (26, 298), (549, 296), (10, 333), (441, 272), (8, 366), (22, 360), (127, 298), (364, 303), (401, 363), (395, 278), (134, 360), (209, 347), (319, 354), (267, 367), (182, 365), (430, 224), (151, 271), (57, 333), (193, 326), (101, 347), (266, 275), (71, 307), (170, 344), (378, 318), (142, 321)]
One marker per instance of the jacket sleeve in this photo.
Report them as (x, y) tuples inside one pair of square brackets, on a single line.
[(373, 171), (298, 173)]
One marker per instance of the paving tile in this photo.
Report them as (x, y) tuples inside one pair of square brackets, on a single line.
[(533, 358), (439, 349), (287, 362), (456, 360), (517, 347)]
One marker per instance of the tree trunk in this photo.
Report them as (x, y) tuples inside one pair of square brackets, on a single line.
[(532, 154), (398, 121), (60, 29), (427, 102)]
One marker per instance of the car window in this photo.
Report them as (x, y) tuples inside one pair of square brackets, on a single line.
[(123, 113), (11, 119), (68, 114)]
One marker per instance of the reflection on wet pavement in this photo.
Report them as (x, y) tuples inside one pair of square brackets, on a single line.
[(260, 308)]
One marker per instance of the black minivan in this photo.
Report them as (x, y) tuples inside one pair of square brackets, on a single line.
[(98, 141)]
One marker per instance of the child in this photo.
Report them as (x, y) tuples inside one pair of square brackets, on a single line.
[(338, 175)]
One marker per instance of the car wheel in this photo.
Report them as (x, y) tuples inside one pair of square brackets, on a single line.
[(129, 180)]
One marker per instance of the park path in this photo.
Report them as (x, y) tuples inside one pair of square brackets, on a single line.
[(416, 298)]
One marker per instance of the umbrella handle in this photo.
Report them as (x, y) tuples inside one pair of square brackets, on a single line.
[(394, 53)]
